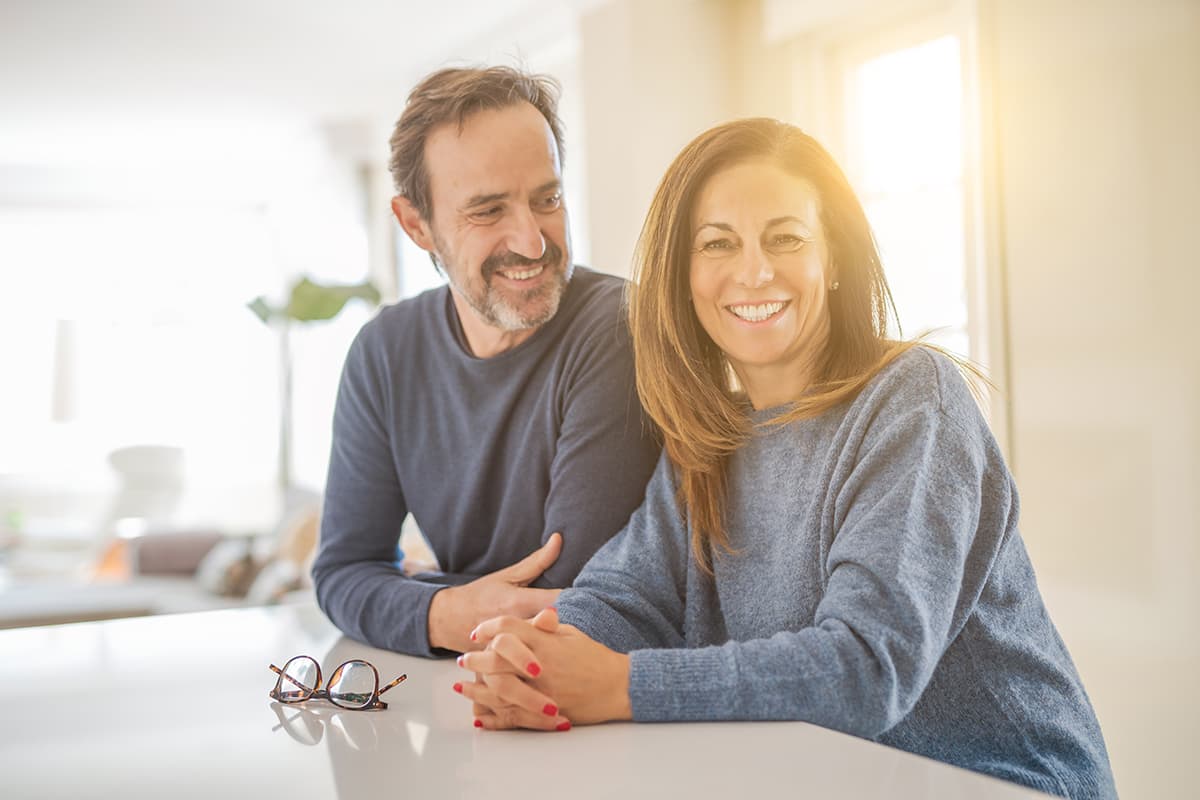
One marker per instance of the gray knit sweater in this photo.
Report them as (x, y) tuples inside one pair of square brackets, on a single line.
[(879, 586)]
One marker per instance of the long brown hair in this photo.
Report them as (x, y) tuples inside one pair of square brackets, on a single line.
[(683, 378)]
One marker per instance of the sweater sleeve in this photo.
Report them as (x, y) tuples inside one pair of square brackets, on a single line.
[(604, 455), (357, 583), (631, 594), (917, 524)]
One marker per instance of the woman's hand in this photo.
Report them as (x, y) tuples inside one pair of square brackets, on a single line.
[(539, 674)]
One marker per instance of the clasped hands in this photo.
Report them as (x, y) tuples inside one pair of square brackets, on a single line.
[(543, 675)]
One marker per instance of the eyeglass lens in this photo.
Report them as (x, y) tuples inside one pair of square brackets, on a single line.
[(353, 685), (299, 679)]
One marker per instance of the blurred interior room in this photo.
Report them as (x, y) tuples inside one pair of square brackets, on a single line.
[(1029, 167)]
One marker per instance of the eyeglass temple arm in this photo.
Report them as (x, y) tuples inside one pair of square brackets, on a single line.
[(396, 682), (295, 682)]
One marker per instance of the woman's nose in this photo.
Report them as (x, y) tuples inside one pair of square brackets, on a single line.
[(755, 269)]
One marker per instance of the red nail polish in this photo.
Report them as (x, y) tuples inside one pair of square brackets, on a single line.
[(550, 710), (533, 669), (565, 725), (458, 688), (478, 723), (459, 661), (472, 636)]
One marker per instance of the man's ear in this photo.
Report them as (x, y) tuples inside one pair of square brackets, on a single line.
[(414, 225)]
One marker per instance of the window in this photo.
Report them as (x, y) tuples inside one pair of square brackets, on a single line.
[(893, 90), (130, 327), (903, 122)]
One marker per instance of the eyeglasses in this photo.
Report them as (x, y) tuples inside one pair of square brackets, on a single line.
[(353, 685)]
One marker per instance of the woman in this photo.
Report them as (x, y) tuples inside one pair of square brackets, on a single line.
[(831, 534)]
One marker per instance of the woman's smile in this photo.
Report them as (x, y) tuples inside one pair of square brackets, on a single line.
[(758, 313)]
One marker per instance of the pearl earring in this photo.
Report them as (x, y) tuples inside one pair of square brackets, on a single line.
[(833, 287)]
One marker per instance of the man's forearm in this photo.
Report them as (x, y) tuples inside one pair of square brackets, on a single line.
[(374, 603)]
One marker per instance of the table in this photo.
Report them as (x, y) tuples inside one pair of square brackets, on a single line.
[(176, 706)]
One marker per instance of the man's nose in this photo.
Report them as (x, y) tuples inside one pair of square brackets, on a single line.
[(755, 269), (525, 236)]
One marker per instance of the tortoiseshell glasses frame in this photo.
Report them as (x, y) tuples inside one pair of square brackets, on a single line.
[(290, 690)]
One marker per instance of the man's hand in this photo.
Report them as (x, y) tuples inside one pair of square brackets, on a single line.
[(456, 610)]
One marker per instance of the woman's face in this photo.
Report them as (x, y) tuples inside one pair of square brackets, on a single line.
[(759, 277)]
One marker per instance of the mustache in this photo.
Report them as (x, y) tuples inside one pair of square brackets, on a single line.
[(552, 256)]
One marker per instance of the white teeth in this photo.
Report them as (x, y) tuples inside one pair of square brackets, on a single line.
[(522, 275), (756, 313)]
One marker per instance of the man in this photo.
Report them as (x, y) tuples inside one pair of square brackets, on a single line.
[(499, 410)]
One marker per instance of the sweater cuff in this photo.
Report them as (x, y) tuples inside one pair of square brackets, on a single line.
[(570, 614), (412, 635), (681, 684)]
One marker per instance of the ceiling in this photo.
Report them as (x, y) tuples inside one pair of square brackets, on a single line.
[(81, 79)]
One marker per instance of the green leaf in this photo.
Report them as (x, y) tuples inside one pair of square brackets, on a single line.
[(261, 310), (310, 301)]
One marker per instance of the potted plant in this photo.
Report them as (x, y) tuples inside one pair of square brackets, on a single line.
[(307, 302)]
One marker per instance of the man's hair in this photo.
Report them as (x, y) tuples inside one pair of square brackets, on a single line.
[(451, 96)]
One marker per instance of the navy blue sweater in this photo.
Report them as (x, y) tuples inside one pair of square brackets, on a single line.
[(491, 456)]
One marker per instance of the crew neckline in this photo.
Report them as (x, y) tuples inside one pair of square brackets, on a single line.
[(459, 336)]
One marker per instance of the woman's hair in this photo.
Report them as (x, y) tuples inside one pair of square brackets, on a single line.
[(684, 380)]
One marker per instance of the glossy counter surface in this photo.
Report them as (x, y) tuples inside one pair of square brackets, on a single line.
[(177, 706)]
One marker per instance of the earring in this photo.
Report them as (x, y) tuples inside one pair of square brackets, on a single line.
[(833, 287)]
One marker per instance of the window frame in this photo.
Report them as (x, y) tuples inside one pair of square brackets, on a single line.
[(822, 56)]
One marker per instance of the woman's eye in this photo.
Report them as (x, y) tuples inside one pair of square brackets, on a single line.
[(716, 245), (786, 241)]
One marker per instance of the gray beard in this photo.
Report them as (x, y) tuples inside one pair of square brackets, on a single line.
[(497, 310)]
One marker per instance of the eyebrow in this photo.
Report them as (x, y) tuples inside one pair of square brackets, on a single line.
[(495, 197), (786, 218), (484, 199), (724, 226)]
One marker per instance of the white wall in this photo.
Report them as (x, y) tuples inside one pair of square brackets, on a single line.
[(655, 75)]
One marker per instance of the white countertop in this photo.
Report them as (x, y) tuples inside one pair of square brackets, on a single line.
[(177, 706)]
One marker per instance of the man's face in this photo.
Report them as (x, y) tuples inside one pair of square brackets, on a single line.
[(498, 224)]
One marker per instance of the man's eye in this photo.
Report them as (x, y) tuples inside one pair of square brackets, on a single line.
[(486, 213), (550, 203)]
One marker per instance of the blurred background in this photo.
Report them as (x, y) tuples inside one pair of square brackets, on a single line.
[(1030, 168)]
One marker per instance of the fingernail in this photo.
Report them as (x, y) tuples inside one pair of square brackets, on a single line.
[(550, 710), (458, 688), (472, 636), (533, 669), (478, 723), (459, 661), (565, 725)]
